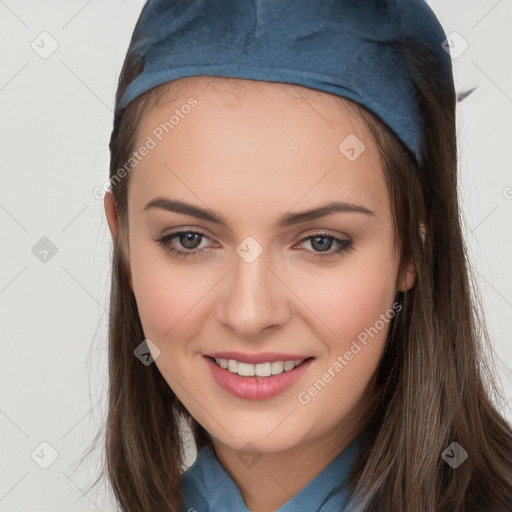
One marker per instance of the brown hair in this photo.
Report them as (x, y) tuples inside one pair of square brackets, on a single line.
[(434, 385)]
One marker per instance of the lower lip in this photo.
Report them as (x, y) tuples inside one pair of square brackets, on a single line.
[(256, 388)]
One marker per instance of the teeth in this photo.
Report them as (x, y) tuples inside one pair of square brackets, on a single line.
[(277, 367), (260, 369), (289, 365)]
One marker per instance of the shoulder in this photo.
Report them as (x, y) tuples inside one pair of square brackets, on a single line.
[(192, 483), (207, 487)]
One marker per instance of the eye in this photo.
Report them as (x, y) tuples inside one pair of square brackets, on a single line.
[(324, 242), (187, 239), (191, 240)]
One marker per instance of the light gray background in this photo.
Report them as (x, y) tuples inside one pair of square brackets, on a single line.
[(56, 118)]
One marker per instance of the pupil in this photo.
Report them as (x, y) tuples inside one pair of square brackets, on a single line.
[(189, 240), (321, 247)]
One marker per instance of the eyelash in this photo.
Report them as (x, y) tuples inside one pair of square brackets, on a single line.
[(346, 245)]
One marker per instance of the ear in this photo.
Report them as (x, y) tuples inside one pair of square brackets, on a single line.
[(408, 277), (111, 214), (113, 222)]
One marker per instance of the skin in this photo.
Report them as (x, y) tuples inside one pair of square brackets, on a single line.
[(253, 155)]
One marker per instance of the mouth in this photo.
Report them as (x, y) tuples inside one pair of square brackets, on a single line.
[(264, 369), (258, 381)]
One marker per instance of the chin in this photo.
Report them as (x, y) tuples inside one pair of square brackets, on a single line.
[(254, 439)]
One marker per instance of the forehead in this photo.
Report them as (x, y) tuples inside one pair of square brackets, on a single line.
[(249, 137), (237, 86)]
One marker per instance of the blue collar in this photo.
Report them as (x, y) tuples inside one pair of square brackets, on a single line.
[(207, 487)]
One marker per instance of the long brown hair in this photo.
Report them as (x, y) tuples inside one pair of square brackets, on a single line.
[(434, 385)]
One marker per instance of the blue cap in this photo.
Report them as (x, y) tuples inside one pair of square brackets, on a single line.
[(357, 49)]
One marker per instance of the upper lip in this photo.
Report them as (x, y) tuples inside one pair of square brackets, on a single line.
[(261, 357)]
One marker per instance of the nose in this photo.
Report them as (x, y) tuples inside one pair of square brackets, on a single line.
[(254, 298)]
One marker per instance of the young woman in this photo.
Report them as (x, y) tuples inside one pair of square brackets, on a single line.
[(289, 276)]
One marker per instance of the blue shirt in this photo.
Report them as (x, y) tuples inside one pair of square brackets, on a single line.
[(207, 487)]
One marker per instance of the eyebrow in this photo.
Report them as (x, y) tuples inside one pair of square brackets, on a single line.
[(289, 219)]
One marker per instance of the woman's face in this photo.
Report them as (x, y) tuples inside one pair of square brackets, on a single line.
[(265, 283)]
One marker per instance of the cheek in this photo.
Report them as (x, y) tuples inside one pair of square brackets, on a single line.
[(166, 297), (352, 299), (353, 304)]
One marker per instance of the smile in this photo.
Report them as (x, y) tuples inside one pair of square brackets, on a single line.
[(256, 381), (260, 370)]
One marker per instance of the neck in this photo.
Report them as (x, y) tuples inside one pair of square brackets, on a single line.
[(269, 480)]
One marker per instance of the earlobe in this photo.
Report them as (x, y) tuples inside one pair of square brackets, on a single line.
[(111, 214), (408, 278)]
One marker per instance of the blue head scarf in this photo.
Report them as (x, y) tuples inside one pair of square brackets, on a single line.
[(357, 49)]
